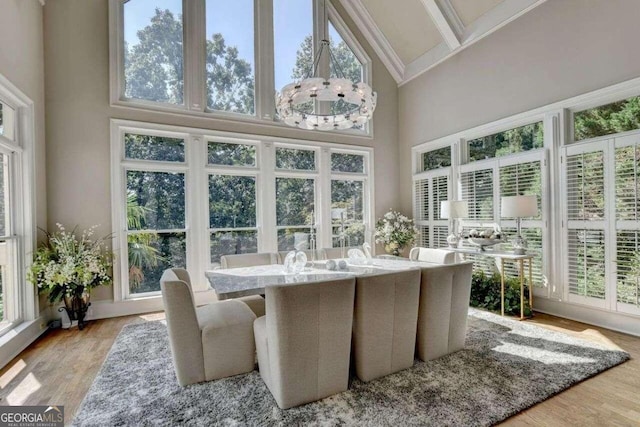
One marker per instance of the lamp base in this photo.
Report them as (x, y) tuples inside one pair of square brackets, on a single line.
[(519, 245), (453, 240)]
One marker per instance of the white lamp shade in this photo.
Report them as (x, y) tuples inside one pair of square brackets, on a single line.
[(519, 206), (451, 209)]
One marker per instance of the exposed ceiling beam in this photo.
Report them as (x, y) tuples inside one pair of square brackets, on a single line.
[(447, 22), (374, 36), (496, 18)]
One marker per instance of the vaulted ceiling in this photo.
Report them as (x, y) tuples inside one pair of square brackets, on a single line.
[(412, 36)]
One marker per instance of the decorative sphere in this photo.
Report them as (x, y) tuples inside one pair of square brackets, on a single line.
[(342, 265), (331, 265)]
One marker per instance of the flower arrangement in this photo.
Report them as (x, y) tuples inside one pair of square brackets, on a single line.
[(68, 266), (395, 231)]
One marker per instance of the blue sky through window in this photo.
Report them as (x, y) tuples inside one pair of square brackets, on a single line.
[(292, 20)]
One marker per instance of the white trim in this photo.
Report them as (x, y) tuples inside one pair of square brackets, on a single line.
[(17, 339), (367, 26), (443, 24), (616, 321), (106, 309)]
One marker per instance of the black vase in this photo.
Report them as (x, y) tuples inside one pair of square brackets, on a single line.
[(76, 305)]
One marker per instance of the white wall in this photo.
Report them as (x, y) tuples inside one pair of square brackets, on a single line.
[(22, 63), (561, 49), (78, 114)]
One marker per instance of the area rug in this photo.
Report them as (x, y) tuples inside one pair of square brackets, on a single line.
[(506, 367)]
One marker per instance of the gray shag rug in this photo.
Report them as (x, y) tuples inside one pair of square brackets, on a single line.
[(506, 367)]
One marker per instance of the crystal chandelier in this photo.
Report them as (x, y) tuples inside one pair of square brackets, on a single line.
[(359, 99)]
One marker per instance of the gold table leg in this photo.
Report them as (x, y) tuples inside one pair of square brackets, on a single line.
[(531, 286), (521, 289), (502, 287)]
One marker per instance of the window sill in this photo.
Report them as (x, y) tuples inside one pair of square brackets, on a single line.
[(234, 118)]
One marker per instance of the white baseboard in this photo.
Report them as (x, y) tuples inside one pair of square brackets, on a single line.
[(619, 322), (20, 337), (108, 308)]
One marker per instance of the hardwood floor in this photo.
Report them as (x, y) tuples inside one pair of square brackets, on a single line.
[(60, 367)]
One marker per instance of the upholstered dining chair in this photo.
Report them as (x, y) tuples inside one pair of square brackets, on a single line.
[(445, 291), (384, 323), (436, 256), (248, 260), (209, 342), (255, 302), (304, 341)]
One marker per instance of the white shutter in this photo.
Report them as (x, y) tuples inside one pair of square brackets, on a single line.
[(524, 179), (585, 186), (421, 200), (627, 282), (477, 189), (586, 263), (440, 233), (627, 226), (586, 213), (440, 189), (423, 236)]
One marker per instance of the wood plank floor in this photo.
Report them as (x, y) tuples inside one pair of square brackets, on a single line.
[(60, 367)]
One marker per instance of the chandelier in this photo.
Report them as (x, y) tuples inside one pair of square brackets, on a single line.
[(358, 99)]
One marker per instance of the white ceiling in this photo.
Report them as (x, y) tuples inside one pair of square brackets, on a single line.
[(412, 36)]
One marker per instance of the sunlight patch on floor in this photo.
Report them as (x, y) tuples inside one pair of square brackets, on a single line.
[(539, 355), (12, 372), (26, 388)]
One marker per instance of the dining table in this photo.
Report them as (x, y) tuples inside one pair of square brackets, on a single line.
[(246, 281)]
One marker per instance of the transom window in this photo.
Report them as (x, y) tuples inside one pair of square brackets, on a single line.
[(158, 59)]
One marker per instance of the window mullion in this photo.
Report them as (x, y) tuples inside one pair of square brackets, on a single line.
[(264, 59), (194, 54)]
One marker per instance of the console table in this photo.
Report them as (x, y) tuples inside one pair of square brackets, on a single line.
[(508, 256)]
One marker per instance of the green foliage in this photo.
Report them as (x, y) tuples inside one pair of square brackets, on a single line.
[(607, 119), (523, 138), (485, 293), (435, 159)]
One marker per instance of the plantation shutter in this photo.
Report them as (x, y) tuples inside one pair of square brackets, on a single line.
[(627, 190), (585, 192), (429, 190), (477, 189), (524, 179), (421, 200)]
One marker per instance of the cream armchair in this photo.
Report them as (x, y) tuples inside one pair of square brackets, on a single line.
[(304, 341), (209, 342), (248, 260), (436, 256)]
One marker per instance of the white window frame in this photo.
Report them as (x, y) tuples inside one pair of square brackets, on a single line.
[(22, 302), (197, 171), (194, 24), (367, 214)]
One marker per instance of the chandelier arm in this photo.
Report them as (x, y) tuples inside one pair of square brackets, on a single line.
[(316, 62), (337, 64)]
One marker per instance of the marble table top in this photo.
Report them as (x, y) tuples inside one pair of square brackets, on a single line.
[(245, 281)]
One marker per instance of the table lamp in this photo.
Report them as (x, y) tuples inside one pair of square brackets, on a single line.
[(452, 210), (519, 207)]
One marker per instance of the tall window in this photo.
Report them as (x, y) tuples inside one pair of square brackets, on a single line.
[(232, 199), (16, 233), (155, 173), (295, 197), (348, 181), (431, 187), (153, 51), (230, 58)]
